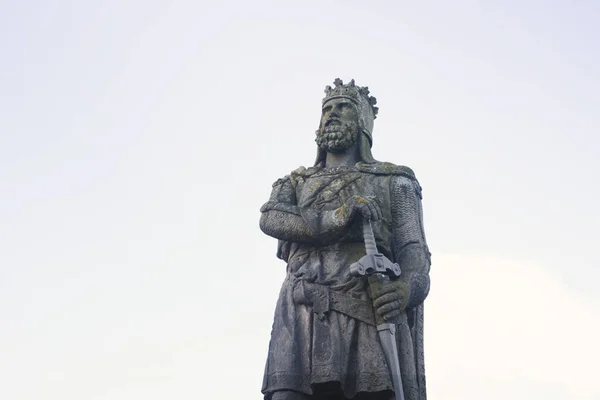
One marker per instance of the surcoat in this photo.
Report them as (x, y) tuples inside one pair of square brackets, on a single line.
[(323, 329)]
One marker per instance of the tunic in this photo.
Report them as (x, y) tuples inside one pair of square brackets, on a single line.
[(323, 329)]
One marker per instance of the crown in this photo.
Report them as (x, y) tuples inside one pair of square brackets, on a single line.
[(352, 92)]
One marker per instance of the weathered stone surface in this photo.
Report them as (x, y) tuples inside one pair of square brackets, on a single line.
[(324, 342)]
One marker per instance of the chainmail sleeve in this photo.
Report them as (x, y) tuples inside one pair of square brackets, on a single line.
[(283, 197), (408, 237), (281, 217)]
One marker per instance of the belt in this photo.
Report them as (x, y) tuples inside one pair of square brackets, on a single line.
[(323, 299)]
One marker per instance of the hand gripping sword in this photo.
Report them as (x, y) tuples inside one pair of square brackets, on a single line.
[(377, 266)]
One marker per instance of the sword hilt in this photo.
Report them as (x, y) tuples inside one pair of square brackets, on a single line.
[(373, 263), (369, 237)]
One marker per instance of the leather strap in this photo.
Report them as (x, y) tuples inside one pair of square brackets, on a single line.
[(356, 308), (323, 299)]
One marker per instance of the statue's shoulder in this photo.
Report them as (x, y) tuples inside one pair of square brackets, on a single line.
[(386, 168), (303, 172), (299, 173), (403, 177)]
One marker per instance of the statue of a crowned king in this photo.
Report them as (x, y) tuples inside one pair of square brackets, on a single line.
[(325, 342)]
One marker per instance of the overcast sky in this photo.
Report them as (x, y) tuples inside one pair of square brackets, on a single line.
[(138, 140)]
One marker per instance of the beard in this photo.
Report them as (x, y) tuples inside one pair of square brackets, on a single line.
[(337, 138)]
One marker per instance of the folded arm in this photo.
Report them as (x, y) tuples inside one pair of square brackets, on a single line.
[(282, 219)]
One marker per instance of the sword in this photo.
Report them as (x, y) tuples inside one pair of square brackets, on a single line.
[(377, 266)]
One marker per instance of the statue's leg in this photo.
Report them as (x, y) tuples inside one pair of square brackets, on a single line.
[(289, 395)]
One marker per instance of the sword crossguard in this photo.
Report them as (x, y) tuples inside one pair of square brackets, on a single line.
[(375, 263)]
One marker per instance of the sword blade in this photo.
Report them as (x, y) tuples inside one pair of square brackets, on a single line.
[(386, 331), (387, 337)]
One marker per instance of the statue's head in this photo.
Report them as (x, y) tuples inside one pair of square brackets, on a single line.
[(348, 113)]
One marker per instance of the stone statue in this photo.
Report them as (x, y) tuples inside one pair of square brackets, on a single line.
[(324, 342)]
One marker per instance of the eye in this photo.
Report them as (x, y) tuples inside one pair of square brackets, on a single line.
[(326, 109), (347, 108)]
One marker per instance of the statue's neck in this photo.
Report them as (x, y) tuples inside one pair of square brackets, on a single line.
[(347, 158)]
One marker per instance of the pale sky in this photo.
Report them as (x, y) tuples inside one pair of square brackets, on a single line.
[(138, 140)]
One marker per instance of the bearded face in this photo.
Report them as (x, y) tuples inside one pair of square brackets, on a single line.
[(337, 137), (339, 127)]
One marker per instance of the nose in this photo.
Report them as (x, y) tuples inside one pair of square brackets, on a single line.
[(334, 113)]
